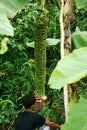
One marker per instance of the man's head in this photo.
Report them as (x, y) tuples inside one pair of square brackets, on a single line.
[(28, 100)]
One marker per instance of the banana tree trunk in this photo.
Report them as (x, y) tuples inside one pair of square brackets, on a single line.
[(65, 41)]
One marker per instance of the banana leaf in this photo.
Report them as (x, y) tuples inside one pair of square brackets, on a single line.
[(12, 6), (49, 42), (80, 4), (8, 8), (69, 69), (77, 116), (5, 26), (79, 39)]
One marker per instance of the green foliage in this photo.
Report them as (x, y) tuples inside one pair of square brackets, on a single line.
[(79, 19), (8, 8), (79, 39), (3, 45), (4, 115), (11, 7), (17, 64), (54, 28), (83, 87), (52, 41), (18, 79), (5, 26), (70, 69), (23, 24), (77, 116), (81, 4), (49, 42)]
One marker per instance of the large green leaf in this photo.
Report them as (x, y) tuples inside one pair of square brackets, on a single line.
[(52, 41), (49, 42), (3, 45), (9, 8), (77, 116), (5, 26), (70, 69), (12, 6), (81, 4), (79, 39)]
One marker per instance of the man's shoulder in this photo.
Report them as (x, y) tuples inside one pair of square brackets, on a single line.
[(24, 113), (30, 114)]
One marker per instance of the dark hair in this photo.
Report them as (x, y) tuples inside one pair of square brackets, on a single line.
[(28, 100)]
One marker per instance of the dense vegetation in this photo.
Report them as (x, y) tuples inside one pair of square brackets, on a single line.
[(18, 66)]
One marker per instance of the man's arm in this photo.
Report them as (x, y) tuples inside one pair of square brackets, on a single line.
[(52, 124)]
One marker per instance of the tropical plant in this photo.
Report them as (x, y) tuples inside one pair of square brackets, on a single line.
[(8, 9), (58, 74), (17, 72), (63, 74), (17, 65), (77, 117)]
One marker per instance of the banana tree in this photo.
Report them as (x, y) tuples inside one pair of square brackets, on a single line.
[(71, 70), (65, 11), (8, 9), (65, 45)]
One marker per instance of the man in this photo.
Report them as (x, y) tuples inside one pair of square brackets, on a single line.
[(29, 120)]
